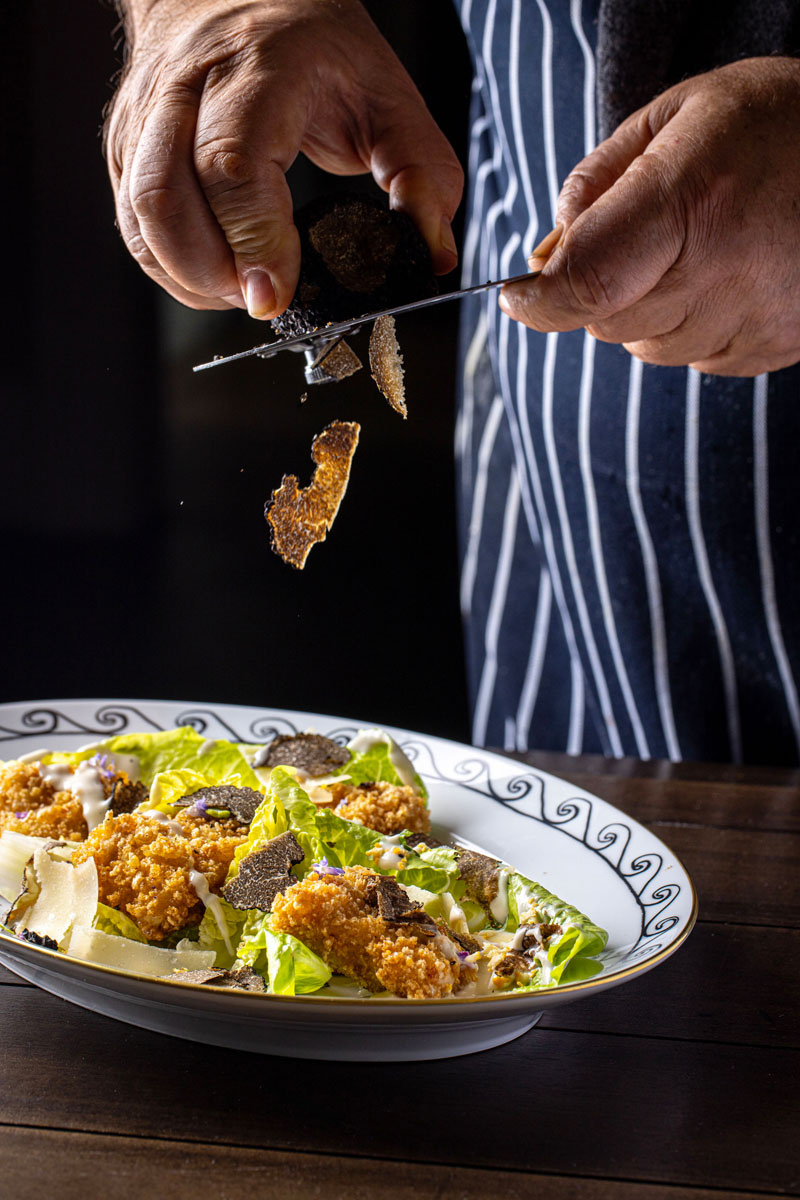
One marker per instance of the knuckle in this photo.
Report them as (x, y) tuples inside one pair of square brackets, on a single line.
[(579, 188), (223, 163), (155, 203)]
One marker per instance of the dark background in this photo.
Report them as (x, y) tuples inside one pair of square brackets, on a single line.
[(137, 560)]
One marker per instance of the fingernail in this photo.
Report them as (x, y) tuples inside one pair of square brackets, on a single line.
[(548, 244), (259, 294), (446, 239)]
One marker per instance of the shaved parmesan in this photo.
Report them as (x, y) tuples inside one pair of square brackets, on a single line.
[(110, 951)]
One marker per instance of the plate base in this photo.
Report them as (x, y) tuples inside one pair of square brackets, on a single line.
[(345, 1042)]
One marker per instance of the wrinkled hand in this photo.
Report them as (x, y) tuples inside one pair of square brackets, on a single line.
[(681, 230), (218, 99)]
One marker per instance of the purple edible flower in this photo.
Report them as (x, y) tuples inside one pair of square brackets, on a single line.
[(462, 954), (21, 816), (103, 765), (323, 867)]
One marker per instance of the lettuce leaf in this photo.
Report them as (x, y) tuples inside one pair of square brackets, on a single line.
[(377, 762), (580, 937), (209, 935), (322, 834), (172, 750), (287, 965), (112, 921)]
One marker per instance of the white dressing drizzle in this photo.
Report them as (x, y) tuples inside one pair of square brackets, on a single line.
[(499, 906), (155, 814), (519, 937), (204, 893), (86, 785), (390, 860), (393, 852), (366, 739), (544, 965)]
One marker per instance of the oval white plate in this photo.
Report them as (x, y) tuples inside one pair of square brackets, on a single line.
[(581, 848)]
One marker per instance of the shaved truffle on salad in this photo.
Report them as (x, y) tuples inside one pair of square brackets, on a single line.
[(303, 866)]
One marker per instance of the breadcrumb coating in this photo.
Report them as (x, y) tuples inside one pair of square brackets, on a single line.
[(30, 804), (330, 915), (22, 787), (384, 807), (144, 867)]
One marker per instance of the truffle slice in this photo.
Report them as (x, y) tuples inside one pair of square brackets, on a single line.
[(426, 840), (243, 979), (339, 362), (301, 517), (394, 904), (126, 796), (240, 802), (265, 873), (465, 940), (386, 363), (357, 256), (311, 753), (480, 873), (38, 939)]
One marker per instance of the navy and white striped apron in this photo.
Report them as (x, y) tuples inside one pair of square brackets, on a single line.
[(629, 543)]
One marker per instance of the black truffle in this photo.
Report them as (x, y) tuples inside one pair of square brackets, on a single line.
[(309, 752), (480, 873), (240, 802), (394, 904), (38, 939), (264, 873), (126, 796), (358, 256), (243, 979)]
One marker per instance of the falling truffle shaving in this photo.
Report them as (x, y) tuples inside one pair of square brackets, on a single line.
[(264, 874), (301, 517), (339, 362), (311, 753), (386, 363)]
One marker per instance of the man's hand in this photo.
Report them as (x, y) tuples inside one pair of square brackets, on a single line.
[(681, 231), (218, 98)]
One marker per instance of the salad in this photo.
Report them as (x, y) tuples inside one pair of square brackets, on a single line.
[(298, 867)]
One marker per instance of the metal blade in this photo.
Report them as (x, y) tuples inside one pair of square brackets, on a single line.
[(307, 341)]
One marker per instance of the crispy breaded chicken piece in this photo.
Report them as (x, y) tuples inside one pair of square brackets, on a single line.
[(332, 916), (30, 804), (384, 807), (143, 866)]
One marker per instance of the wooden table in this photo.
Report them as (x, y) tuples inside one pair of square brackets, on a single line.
[(682, 1084)]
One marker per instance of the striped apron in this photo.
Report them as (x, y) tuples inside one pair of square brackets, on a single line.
[(628, 533)]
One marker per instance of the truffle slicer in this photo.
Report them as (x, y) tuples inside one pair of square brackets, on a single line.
[(319, 342)]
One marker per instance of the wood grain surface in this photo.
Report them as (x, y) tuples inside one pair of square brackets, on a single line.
[(682, 1083)]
